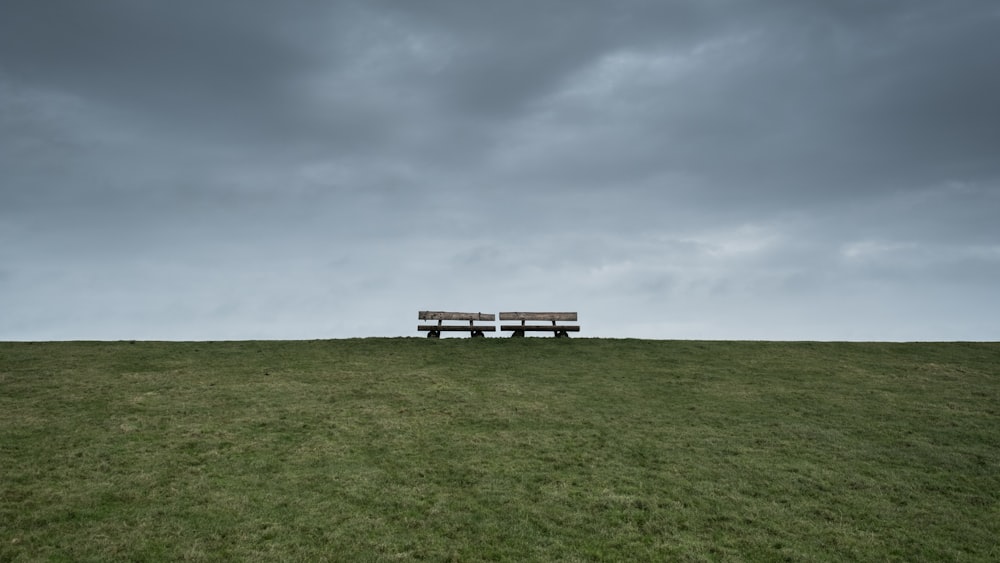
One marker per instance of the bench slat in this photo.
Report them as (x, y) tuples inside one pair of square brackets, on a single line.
[(540, 316), (450, 316), (543, 328), (457, 328)]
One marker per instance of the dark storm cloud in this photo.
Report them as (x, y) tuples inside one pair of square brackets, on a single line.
[(843, 97), (168, 58), (278, 165), (797, 105)]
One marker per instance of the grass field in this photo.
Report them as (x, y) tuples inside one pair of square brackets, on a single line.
[(535, 449)]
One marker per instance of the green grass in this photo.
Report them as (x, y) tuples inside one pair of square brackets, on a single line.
[(535, 449)]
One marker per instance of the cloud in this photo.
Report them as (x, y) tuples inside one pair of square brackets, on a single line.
[(716, 168)]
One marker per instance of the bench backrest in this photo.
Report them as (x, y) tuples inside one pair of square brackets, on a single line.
[(449, 316), (515, 316)]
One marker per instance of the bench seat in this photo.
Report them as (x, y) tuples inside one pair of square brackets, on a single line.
[(456, 328), (541, 328)]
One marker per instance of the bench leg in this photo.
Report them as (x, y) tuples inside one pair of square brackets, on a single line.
[(478, 334), (434, 334), (517, 334), (562, 334)]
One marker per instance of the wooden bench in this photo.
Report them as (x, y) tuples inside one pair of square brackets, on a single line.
[(434, 330), (560, 330)]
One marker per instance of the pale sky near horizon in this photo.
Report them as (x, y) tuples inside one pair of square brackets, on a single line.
[(710, 169)]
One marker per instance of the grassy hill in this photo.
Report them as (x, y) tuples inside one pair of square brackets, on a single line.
[(499, 449)]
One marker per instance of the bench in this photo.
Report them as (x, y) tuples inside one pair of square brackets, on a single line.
[(434, 330), (560, 330)]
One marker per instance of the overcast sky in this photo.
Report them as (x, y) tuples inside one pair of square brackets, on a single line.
[(719, 169)]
